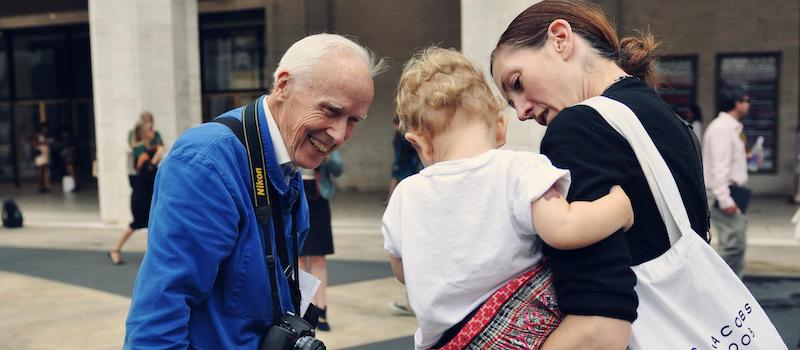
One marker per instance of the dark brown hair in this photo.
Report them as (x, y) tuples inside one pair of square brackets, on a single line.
[(634, 54)]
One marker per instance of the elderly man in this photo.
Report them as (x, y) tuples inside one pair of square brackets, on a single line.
[(204, 281)]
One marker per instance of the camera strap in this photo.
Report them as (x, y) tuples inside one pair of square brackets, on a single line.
[(291, 268), (248, 132)]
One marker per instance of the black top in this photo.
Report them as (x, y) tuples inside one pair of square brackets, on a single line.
[(596, 280)]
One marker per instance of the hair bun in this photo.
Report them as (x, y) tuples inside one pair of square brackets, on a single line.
[(637, 57)]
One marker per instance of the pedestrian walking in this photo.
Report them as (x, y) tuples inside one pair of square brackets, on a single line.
[(148, 150), (41, 152), (725, 168)]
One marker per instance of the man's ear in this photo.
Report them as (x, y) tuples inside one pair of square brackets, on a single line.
[(281, 89), (500, 132), (561, 37), (423, 146)]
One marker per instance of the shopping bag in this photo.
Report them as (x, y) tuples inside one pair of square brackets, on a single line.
[(68, 184), (688, 297)]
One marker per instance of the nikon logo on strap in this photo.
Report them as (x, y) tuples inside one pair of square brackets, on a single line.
[(260, 189)]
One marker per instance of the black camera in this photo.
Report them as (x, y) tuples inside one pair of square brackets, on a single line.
[(293, 333)]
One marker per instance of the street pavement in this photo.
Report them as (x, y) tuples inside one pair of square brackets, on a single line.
[(57, 289)]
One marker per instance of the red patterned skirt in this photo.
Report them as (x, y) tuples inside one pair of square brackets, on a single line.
[(519, 315)]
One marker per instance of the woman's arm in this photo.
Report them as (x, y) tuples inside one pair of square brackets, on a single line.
[(566, 226), (158, 155), (589, 333), (595, 284)]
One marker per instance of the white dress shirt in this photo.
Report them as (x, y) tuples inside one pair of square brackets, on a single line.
[(724, 157), (281, 153)]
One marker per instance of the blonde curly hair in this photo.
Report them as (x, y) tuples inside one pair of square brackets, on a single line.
[(436, 83)]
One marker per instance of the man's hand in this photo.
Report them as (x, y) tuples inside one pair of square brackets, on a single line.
[(730, 210)]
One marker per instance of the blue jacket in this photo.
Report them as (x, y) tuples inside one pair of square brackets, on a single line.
[(330, 168), (203, 281)]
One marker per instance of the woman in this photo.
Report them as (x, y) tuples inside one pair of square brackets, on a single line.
[(319, 189), (41, 146), (148, 150), (554, 55), (136, 142)]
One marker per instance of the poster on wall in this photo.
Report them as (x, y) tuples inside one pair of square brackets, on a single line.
[(758, 75), (678, 82)]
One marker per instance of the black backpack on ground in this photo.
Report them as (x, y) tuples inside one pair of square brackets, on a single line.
[(12, 216)]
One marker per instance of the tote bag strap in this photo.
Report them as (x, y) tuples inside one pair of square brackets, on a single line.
[(659, 177)]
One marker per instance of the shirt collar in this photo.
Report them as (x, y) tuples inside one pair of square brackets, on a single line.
[(729, 119), (281, 154)]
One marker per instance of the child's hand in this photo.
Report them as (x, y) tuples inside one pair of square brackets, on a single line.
[(618, 191)]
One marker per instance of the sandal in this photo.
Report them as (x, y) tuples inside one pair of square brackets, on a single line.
[(110, 254)]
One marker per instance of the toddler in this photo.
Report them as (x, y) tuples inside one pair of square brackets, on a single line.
[(465, 233)]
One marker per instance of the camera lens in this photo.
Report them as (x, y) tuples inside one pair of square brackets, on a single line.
[(308, 343)]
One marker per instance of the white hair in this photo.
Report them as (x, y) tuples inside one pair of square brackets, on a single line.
[(305, 54)]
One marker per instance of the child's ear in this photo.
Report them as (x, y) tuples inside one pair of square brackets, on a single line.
[(423, 146), (500, 131)]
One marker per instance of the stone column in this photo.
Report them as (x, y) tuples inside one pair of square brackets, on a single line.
[(288, 21), (145, 56), (482, 23)]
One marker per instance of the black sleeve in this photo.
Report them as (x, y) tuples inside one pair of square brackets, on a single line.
[(596, 280)]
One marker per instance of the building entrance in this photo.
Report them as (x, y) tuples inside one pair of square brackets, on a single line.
[(68, 128), (46, 100)]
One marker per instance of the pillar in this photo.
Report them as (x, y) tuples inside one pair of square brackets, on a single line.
[(145, 56), (482, 23)]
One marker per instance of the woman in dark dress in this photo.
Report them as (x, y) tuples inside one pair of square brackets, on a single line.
[(148, 150), (319, 188), (554, 55)]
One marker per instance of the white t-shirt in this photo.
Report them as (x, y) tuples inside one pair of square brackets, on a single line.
[(463, 229)]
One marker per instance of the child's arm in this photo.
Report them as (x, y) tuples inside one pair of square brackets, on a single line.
[(576, 225), (397, 268)]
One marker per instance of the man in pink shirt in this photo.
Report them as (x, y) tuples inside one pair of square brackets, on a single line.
[(725, 173)]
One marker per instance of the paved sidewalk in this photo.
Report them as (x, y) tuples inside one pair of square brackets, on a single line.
[(56, 286), (772, 250)]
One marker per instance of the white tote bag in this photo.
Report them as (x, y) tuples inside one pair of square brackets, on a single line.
[(689, 299)]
